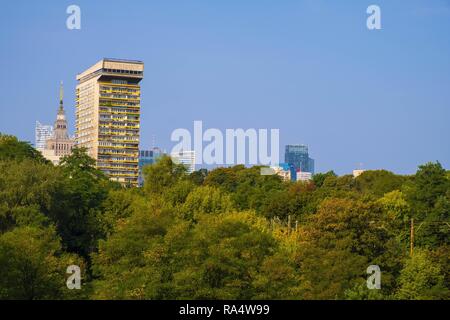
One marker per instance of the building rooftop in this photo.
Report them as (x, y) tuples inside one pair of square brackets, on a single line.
[(122, 60), (111, 64)]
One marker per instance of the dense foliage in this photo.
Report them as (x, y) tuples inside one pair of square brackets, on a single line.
[(230, 233)]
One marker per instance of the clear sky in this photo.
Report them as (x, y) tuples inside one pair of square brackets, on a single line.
[(310, 68)]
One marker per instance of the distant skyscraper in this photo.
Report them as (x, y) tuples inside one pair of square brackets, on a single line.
[(42, 133), (298, 156), (187, 158), (59, 144), (108, 104), (147, 157)]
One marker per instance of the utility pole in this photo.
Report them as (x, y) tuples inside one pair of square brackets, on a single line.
[(289, 224), (411, 243)]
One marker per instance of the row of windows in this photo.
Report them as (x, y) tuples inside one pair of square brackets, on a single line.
[(61, 146), (107, 123), (119, 96), (84, 134), (122, 71), (130, 159), (84, 143), (119, 89), (83, 125), (118, 152), (85, 87), (119, 172), (118, 111), (109, 103), (119, 139), (105, 135), (83, 116), (119, 117), (131, 149), (124, 166), (115, 144)]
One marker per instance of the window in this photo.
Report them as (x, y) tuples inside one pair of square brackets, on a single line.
[(117, 81)]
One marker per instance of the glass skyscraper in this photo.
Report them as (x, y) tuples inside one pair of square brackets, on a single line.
[(147, 157), (42, 133), (298, 156)]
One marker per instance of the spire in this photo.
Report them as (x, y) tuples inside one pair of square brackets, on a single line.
[(61, 114), (60, 131), (61, 96)]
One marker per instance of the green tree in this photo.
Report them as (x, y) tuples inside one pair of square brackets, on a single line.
[(29, 193), (247, 187), (225, 256), (396, 206), (33, 266), (79, 212), (130, 262), (428, 185), (162, 174), (295, 201), (421, 279), (80, 165), (119, 205), (206, 200), (199, 176), (429, 197), (339, 242), (397, 211), (434, 229), (378, 182), (176, 194), (13, 149), (319, 178), (361, 292)]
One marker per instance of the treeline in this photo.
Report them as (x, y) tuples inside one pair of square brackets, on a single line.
[(230, 233)]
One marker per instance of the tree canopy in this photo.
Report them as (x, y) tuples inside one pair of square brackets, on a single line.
[(227, 233)]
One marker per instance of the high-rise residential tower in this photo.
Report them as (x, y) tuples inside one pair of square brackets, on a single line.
[(108, 103), (298, 156)]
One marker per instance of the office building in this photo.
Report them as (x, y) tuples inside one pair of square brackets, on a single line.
[(304, 176), (187, 158), (108, 103), (147, 157), (283, 170), (298, 156), (42, 133)]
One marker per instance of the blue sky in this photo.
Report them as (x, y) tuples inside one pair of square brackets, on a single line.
[(310, 68)]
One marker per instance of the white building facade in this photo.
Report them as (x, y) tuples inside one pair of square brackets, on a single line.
[(186, 158)]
